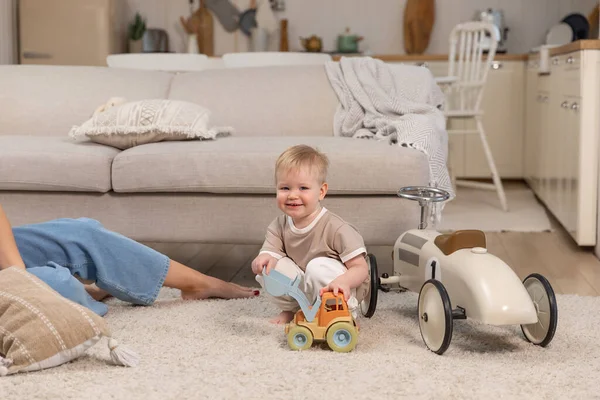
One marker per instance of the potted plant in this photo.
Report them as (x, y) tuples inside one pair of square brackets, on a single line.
[(135, 33)]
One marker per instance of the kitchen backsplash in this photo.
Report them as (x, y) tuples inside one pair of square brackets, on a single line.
[(379, 21)]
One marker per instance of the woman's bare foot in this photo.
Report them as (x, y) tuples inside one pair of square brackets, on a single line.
[(195, 285), (283, 318), (96, 293), (213, 287)]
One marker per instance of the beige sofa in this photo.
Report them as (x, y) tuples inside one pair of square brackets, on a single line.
[(219, 191)]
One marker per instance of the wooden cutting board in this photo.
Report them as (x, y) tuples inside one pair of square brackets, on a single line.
[(419, 16), (593, 19), (202, 24)]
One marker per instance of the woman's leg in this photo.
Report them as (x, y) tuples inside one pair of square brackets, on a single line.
[(118, 265), (61, 280), (96, 293), (195, 285)]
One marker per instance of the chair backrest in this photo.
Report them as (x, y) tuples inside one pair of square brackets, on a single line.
[(173, 62), (271, 58), (466, 62)]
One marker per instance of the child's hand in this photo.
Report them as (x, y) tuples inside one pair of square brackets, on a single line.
[(263, 260), (336, 286)]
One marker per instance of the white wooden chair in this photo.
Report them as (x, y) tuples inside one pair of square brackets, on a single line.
[(269, 58), (173, 62), (464, 86)]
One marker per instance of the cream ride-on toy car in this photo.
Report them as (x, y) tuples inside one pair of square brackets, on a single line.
[(457, 278)]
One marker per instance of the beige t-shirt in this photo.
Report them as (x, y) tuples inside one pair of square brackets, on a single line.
[(327, 236)]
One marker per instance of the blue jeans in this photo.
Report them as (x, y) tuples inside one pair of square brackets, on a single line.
[(57, 250)]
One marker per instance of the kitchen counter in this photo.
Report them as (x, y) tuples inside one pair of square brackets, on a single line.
[(588, 44), (433, 57)]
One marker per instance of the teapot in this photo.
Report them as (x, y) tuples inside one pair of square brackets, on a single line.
[(348, 43), (312, 44)]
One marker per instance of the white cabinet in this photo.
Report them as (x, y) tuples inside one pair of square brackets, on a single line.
[(532, 99), (561, 141), (504, 116), (69, 32), (503, 121)]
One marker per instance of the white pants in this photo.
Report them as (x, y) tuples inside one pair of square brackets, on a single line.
[(319, 273)]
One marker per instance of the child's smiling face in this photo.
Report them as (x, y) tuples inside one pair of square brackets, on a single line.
[(299, 192)]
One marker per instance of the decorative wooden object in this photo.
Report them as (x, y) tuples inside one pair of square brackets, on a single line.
[(201, 23), (419, 16), (283, 39)]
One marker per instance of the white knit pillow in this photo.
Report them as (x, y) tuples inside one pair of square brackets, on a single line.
[(147, 121)]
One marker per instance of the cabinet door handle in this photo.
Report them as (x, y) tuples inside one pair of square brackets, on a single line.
[(496, 65), (423, 64), (564, 104), (575, 106), (570, 60), (34, 54), (555, 61)]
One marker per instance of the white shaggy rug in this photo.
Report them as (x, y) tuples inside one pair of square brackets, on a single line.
[(480, 209), (222, 349)]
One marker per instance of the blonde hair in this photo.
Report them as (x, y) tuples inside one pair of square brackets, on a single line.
[(303, 156)]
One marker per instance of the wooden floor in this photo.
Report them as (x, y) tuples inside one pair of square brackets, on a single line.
[(570, 269)]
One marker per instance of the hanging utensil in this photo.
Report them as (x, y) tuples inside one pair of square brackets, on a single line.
[(226, 12), (248, 19)]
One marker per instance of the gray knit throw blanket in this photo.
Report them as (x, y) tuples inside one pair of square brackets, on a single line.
[(400, 103)]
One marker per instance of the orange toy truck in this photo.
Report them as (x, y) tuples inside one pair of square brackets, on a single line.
[(328, 319)]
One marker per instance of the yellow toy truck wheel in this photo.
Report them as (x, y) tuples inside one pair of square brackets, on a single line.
[(300, 338), (342, 337)]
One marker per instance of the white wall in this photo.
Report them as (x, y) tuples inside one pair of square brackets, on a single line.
[(379, 21)]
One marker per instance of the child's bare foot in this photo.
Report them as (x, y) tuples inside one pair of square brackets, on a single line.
[(283, 318), (96, 293), (213, 287)]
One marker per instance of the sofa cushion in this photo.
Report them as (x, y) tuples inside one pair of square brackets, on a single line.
[(54, 164), (247, 165), (47, 100), (267, 101)]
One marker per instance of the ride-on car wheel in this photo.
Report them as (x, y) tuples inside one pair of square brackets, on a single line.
[(369, 304), (300, 338), (544, 300), (435, 316)]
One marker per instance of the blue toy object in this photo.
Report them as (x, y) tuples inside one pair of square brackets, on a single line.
[(277, 284)]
